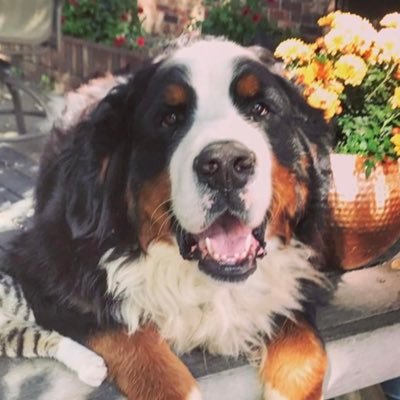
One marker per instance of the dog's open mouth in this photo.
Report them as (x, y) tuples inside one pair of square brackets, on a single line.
[(227, 249)]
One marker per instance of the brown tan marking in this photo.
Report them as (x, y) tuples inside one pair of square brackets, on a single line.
[(248, 86), (289, 197), (143, 366), (153, 210), (295, 363), (175, 95)]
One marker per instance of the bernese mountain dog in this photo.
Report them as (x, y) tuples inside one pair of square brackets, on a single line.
[(182, 207)]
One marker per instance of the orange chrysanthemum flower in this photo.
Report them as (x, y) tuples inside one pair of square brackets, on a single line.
[(325, 100)]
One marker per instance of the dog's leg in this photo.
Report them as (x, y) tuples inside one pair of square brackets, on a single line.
[(144, 367), (294, 364)]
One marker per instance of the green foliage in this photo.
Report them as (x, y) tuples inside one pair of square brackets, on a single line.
[(237, 20), (116, 22), (365, 126)]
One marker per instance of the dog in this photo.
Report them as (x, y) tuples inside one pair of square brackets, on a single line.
[(185, 206)]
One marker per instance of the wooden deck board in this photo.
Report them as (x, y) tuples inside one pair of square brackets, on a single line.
[(12, 159)]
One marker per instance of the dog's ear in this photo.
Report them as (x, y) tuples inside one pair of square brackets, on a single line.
[(266, 56), (91, 170)]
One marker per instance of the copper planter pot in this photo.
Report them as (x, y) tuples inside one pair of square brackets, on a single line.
[(366, 211)]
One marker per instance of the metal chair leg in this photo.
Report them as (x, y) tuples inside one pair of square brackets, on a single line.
[(19, 116), (22, 87)]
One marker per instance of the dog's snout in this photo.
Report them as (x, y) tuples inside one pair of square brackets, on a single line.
[(225, 165)]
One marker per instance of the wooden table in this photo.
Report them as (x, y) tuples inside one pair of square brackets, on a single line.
[(361, 325)]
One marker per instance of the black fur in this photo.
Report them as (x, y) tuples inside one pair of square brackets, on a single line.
[(79, 216)]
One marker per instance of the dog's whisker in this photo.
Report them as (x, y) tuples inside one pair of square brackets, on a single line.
[(166, 214), (159, 206), (162, 226)]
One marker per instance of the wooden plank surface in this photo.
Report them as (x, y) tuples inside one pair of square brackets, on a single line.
[(12, 159), (365, 300)]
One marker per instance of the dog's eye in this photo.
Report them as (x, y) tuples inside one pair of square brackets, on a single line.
[(169, 120), (258, 110)]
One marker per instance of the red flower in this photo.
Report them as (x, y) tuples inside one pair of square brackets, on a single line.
[(62, 19), (140, 41), (140, 10), (245, 10), (271, 1), (73, 3), (119, 40), (126, 17), (256, 18)]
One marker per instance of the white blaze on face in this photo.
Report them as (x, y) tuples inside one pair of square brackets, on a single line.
[(211, 69)]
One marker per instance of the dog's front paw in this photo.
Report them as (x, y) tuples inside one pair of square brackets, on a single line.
[(90, 367), (194, 394), (93, 370)]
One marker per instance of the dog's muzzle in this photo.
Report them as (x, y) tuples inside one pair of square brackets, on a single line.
[(228, 247)]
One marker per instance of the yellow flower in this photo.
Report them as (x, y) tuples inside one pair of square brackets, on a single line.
[(294, 49), (305, 75), (396, 141), (388, 44), (349, 34), (336, 86), (395, 99), (327, 20), (336, 40), (324, 99), (351, 69), (391, 20), (339, 18)]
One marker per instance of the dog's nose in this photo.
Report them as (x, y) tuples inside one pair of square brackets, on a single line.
[(225, 165)]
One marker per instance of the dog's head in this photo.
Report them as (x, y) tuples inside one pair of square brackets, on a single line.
[(205, 145)]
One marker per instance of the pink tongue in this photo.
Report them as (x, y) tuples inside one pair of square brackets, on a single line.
[(227, 236)]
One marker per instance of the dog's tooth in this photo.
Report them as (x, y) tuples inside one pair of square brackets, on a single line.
[(209, 246), (224, 257), (243, 255), (217, 256), (248, 243)]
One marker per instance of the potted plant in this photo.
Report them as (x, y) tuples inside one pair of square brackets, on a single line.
[(352, 73)]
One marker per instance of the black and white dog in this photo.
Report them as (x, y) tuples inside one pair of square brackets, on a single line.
[(185, 207)]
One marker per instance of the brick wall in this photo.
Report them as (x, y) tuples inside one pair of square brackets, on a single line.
[(170, 17), (167, 17), (301, 15)]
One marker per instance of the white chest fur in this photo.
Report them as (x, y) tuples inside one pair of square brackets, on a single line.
[(191, 309)]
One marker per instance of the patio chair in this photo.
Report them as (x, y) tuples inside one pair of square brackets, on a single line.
[(27, 28)]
